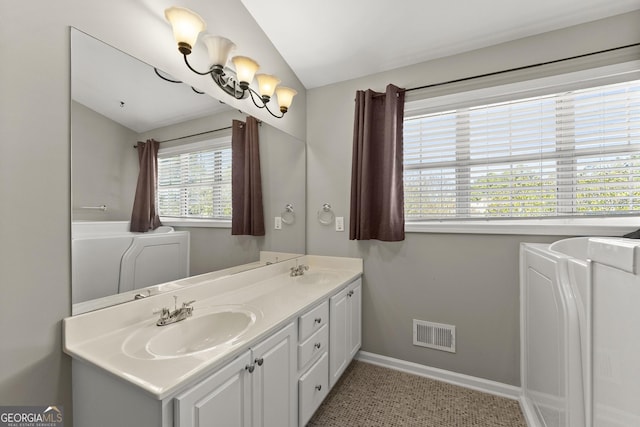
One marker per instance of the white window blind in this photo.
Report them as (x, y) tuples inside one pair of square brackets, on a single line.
[(575, 153), (196, 183)]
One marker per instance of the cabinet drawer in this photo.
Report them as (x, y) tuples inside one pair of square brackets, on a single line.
[(314, 346), (313, 387), (312, 321)]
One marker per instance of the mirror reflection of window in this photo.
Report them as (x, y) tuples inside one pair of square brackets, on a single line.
[(194, 180)]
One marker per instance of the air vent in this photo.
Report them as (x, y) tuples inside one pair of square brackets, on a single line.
[(434, 335)]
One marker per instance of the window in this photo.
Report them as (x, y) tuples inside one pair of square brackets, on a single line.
[(194, 181), (574, 153)]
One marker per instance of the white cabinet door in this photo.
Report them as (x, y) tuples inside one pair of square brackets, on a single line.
[(345, 329), (338, 336), (257, 389), (354, 300), (223, 399), (274, 380)]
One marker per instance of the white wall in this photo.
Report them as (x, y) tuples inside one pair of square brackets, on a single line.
[(35, 162), (470, 281)]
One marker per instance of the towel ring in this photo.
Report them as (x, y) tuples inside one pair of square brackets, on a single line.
[(288, 216), (326, 215)]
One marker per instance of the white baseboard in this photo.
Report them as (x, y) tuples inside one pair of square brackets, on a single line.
[(474, 383), (528, 412)]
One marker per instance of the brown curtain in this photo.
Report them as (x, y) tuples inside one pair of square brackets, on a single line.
[(246, 184), (144, 216), (377, 195)]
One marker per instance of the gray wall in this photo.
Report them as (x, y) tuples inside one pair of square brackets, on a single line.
[(35, 163), (470, 281), (35, 208), (104, 165), (283, 167)]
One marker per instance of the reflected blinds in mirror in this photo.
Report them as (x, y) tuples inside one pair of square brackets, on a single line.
[(194, 181)]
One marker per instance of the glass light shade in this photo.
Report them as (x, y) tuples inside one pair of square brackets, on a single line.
[(285, 97), (186, 26), (218, 48), (245, 68), (267, 84)]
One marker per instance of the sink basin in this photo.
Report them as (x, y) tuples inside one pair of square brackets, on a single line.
[(199, 333), (316, 277), (195, 334)]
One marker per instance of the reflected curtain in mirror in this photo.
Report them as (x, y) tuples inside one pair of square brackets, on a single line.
[(247, 216), (144, 216), (377, 193)]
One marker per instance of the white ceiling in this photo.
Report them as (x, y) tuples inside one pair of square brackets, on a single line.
[(102, 77), (335, 40)]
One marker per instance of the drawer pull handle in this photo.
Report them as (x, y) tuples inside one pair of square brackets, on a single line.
[(250, 368), (350, 294), (318, 387), (259, 361), (317, 345), (318, 320)]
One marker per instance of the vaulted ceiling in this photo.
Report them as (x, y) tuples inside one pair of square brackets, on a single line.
[(335, 40)]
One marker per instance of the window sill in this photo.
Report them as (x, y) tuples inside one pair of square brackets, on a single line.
[(192, 222), (545, 227)]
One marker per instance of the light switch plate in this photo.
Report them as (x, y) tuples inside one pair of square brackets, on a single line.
[(278, 223), (339, 223)]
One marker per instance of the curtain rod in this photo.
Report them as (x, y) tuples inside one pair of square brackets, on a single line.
[(198, 134), (189, 136), (525, 67)]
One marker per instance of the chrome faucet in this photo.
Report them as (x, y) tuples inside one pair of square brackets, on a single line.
[(298, 270), (141, 295), (168, 317)]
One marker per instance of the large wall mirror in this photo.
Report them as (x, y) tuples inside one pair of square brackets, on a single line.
[(116, 101)]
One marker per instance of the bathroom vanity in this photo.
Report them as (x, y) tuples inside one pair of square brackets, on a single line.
[(261, 348)]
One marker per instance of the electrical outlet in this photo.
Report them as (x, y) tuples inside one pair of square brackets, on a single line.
[(339, 223), (278, 223)]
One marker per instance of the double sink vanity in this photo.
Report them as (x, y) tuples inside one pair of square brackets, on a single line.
[(259, 348)]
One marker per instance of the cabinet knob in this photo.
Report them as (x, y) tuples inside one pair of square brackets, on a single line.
[(350, 293), (317, 345), (318, 387), (318, 320), (250, 368), (259, 361)]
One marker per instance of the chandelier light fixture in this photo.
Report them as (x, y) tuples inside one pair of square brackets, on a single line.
[(187, 25)]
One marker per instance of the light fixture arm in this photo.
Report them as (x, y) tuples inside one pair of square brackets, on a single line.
[(263, 102), (186, 61), (175, 81)]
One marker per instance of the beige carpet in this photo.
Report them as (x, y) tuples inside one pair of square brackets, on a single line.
[(370, 396)]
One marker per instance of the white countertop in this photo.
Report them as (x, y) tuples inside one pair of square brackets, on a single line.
[(107, 338)]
